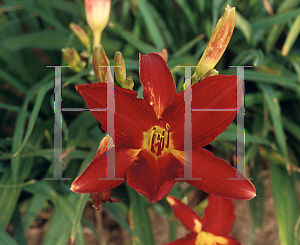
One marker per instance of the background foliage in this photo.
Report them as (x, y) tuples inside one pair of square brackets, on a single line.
[(32, 34)]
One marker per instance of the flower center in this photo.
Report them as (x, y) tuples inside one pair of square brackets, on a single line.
[(206, 238), (157, 139)]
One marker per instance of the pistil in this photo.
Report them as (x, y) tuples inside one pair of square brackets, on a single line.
[(157, 139)]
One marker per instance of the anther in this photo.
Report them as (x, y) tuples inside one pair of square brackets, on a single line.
[(168, 128)]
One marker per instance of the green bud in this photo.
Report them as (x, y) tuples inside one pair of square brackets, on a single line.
[(72, 59), (120, 72), (129, 84)]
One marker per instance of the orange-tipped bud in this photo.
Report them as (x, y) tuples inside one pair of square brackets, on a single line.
[(99, 60), (72, 59), (80, 34), (217, 43), (97, 15)]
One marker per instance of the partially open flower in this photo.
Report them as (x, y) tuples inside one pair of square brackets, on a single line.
[(97, 15), (213, 229), (217, 43)]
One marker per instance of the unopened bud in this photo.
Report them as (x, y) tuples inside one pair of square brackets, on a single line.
[(129, 84), (120, 72), (99, 60), (101, 198), (72, 59), (97, 15), (80, 34), (218, 42)]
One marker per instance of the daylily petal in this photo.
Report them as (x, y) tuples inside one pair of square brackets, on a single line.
[(189, 239), (219, 216), (157, 80), (214, 173), (132, 116), (89, 181), (187, 216), (216, 92), (153, 177)]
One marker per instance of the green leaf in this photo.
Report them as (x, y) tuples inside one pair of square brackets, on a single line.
[(6, 239), (151, 24), (81, 203), (286, 204), (295, 60), (46, 39), (276, 19), (284, 81), (18, 227), (291, 37), (137, 43), (35, 206), (115, 211), (36, 109), (275, 113), (244, 25), (140, 218)]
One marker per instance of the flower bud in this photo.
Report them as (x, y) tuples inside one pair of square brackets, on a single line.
[(120, 72), (80, 34), (100, 59), (217, 43), (129, 84), (101, 198), (97, 15), (72, 59)]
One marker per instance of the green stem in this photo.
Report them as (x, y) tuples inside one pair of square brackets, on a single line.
[(97, 38)]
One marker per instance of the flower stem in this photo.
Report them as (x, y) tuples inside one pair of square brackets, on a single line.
[(97, 38)]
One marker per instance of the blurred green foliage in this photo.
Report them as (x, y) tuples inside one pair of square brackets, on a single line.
[(32, 34)]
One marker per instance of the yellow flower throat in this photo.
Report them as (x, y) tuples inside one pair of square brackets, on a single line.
[(157, 139)]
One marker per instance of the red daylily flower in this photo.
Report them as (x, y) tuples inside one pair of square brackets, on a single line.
[(149, 135), (215, 226)]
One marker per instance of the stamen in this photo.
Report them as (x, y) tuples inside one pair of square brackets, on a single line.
[(163, 140), (168, 128), (157, 139), (158, 153), (152, 139)]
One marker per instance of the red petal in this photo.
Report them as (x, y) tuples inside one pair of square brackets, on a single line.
[(219, 216), (153, 177), (188, 217), (189, 239), (215, 92), (88, 181), (133, 116), (157, 80), (214, 173)]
